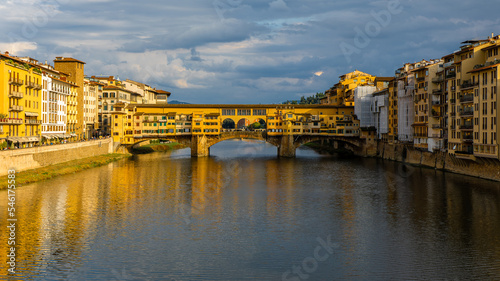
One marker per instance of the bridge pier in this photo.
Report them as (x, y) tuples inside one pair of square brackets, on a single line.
[(286, 147), (199, 146)]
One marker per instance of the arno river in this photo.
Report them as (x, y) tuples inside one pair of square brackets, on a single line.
[(244, 214)]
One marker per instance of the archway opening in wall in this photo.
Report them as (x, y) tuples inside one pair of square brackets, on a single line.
[(258, 124), (243, 124), (228, 124)]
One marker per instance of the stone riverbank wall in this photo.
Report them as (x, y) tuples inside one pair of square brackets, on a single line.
[(41, 156)]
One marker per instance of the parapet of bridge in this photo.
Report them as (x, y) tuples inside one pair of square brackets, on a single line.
[(201, 126)]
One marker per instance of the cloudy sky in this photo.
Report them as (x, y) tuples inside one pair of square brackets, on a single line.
[(242, 51)]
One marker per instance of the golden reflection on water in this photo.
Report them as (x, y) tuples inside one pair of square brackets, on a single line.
[(59, 219)]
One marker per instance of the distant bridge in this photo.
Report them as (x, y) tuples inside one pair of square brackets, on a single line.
[(200, 126)]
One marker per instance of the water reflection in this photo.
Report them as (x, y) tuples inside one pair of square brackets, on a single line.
[(243, 213)]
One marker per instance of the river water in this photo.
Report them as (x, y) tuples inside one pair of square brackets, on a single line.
[(244, 214)]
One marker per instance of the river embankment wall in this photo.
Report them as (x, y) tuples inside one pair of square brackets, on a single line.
[(480, 167), (41, 156)]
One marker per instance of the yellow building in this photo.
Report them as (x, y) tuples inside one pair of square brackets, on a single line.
[(472, 80), (342, 93), (20, 103), (392, 136), (428, 110), (75, 70)]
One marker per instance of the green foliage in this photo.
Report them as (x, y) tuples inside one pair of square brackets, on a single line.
[(315, 99), (255, 125), (3, 116)]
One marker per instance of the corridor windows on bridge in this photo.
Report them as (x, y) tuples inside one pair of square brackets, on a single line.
[(228, 112), (259, 112), (244, 112)]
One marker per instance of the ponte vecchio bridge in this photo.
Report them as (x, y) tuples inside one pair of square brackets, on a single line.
[(201, 126)]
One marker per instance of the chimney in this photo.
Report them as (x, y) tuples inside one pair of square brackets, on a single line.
[(6, 53)]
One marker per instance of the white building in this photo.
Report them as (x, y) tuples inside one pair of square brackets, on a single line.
[(363, 96), (406, 108), (55, 91), (380, 111)]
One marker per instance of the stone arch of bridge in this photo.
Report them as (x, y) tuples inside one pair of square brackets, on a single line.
[(246, 135), (308, 139)]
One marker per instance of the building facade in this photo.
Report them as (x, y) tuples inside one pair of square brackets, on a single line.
[(20, 102)]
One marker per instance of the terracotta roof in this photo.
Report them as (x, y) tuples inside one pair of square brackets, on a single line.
[(163, 92), (63, 59), (117, 88), (484, 68)]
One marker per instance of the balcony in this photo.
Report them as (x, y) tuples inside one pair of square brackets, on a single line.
[(11, 121), (32, 121), (437, 126), (436, 102), (437, 92), (420, 135), (467, 113), (451, 75), (435, 113), (468, 138), (16, 81), (467, 99), (16, 108), (468, 84), (467, 127), (465, 155), (35, 85), (420, 79), (15, 94), (437, 80)]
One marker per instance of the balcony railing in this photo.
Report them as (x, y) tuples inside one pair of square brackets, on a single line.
[(32, 121), (33, 85), (467, 138), (436, 126), (420, 79), (16, 81), (437, 80), (16, 108), (451, 75), (15, 94), (466, 127), (467, 113), (468, 84), (420, 135), (436, 102), (437, 91), (467, 99), (11, 121)]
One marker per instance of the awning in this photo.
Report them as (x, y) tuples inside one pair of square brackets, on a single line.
[(31, 114), (13, 139), (73, 135), (49, 137), (33, 139), (23, 140)]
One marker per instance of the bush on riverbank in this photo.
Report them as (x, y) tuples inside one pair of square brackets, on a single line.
[(52, 171)]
